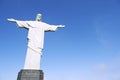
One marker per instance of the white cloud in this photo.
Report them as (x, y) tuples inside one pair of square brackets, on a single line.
[(101, 67)]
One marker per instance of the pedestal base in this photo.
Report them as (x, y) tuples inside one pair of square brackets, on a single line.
[(30, 75)]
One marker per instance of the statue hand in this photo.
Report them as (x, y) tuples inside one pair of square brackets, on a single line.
[(61, 26), (12, 20)]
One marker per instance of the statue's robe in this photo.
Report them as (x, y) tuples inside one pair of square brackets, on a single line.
[(35, 41)]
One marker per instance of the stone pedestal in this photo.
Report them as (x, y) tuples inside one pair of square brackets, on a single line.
[(30, 75)]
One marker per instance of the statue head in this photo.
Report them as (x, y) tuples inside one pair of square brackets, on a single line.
[(39, 17)]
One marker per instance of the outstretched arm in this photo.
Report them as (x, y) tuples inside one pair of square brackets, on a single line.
[(19, 23), (11, 20), (52, 27), (60, 26)]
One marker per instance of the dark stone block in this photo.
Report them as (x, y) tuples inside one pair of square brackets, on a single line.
[(30, 75)]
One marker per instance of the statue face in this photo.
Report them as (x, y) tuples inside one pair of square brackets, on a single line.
[(39, 17)]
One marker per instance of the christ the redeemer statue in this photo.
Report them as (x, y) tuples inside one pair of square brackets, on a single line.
[(35, 39)]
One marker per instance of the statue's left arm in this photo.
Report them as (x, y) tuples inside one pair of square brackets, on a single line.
[(52, 27)]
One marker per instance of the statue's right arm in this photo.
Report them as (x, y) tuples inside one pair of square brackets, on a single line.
[(21, 24), (12, 20)]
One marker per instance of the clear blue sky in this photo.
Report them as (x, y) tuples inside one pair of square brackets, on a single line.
[(88, 48)]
